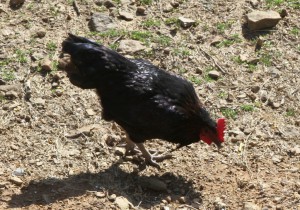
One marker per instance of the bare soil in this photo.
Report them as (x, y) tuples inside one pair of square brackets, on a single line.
[(260, 161)]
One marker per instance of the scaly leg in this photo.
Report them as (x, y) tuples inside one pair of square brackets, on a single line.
[(130, 146), (151, 159)]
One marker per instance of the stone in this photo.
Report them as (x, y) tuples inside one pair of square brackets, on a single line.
[(16, 3), (153, 183), (214, 74), (40, 34), (16, 180), (101, 22), (182, 199), (130, 46), (123, 203), (112, 197), (257, 20), (141, 10), (167, 7), (46, 64), (219, 204), (90, 112), (250, 206), (186, 22), (100, 194), (120, 151), (126, 15)]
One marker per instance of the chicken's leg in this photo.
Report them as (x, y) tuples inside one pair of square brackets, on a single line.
[(151, 159), (130, 146)]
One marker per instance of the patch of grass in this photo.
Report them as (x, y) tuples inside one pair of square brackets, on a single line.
[(181, 52), (196, 80), (114, 46), (230, 41), (247, 107), (229, 113), (266, 59), (223, 95), (221, 27), (271, 3), (182, 71), (172, 21), (251, 67), (295, 4), (143, 36), (144, 2), (290, 112), (54, 67), (109, 33), (162, 40), (7, 74), (295, 31), (21, 56), (51, 46), (151, 23)]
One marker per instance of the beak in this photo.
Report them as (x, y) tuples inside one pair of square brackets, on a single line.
[(219, 145)]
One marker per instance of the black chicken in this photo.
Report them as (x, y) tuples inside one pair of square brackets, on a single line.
[(147, 102)]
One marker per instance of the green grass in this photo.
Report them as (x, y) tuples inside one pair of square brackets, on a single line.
[(172, 21), (206, 77), (143, 36), (162, 40), (229, 113), (290, 112), (21, 56), (271, 3), (51, 46), (7, 74), (194, 79), (151, 23), (144, 2), (221, 27), (181, 51), (230, 41), (295, 31), (247, 107), (223, 95), (109, 33), (266, 59)]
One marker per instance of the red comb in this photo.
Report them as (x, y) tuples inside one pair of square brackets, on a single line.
[(221, 128)]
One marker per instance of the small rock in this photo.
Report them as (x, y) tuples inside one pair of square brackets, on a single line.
[(182, 199), (39, 101), (11, 94), (100, 194), (120, 151), (255, 88), (262, 19), (123, 203), (101, 22), (244, 57), (16, 180), (46, 64), (130, 46), (19, 172), (109, 4), (186, 22), (276, 159), (219, 204), (141, 10), (216, 40), (90, 112), (153, 184), (283, 13), (214, 74), (126, 15), (254, 3), (40, 34), (169, 199), (16, 3), (112, 197), (167, 7), (250, 206)]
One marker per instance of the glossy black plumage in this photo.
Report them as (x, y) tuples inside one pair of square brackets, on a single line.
[(144, 100)]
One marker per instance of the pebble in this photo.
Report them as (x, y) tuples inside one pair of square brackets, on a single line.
[(101, 22), (255, 88), (19, 172), (46, 64), (141, 10), (112, 197), (41, 34), (186, 22), (120, 151), (16, 3), (123, 203), (182, 199), (100, 194), (90, 112), (16, 180), (130, 46), (153, 184), (219, 204), (250, 206), (167, 7), (214, 74), (262, 19), (126, 15)]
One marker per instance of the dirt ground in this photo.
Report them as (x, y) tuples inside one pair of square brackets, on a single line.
[(41, 167)]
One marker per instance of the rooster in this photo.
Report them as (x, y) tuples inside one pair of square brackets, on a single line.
[(146, 101)]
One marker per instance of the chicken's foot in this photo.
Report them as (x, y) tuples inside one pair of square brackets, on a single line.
[(151, 159)]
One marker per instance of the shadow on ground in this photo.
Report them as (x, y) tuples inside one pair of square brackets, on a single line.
[(114, 180)]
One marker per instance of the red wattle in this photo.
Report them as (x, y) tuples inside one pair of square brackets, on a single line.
[(221, 128), (205, 139)]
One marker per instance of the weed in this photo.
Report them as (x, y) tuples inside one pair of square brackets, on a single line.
[(143, 36), (195, 80), (145, 2), (150, 23), (21, 56), (206, 77), (172, 21), (223, 95), (271, 3), (221, 27), (295, 31), (7, 75), (230, 41), (266, 59), (247, 107), (51, 46), (162, 40), (290, 112), (181, 52), (109, 33), (229, 113)]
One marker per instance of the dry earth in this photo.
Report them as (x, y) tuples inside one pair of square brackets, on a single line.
[(258, 168)]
